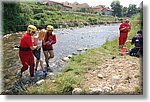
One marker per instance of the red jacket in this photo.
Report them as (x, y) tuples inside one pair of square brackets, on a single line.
[(26, 42), (51, 38), (125, 25)]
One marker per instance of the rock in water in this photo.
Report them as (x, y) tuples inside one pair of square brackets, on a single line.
[(66, 59)]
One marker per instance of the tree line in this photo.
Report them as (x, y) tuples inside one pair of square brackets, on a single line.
[(120, 11), (17, 15)]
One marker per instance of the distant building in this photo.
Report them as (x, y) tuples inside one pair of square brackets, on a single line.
[(57, 4), (76, 5), (102, 10), (107, 11)]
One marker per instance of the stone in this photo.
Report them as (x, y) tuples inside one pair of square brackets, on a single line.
[(39, 82), (100, 76), (107, 89), (115, 79), (80, 49), (95, 91), (70, 56), (51, 75), (76, 91), (85, 49), (74, 53), (65, 59)]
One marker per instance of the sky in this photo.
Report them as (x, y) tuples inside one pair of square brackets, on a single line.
[(107, 3)]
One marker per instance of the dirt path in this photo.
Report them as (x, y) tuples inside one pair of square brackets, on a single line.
[(119, 75)]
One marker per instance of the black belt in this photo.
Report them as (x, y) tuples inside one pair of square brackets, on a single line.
[(24, 49)]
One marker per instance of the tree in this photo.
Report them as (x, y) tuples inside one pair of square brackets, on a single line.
[(124, 11), (11, 16), (132, 9), (117, 8)]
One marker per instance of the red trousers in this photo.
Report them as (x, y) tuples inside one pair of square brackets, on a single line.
[(27, 59), (122, 39)]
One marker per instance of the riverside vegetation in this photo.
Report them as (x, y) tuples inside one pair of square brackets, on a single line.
[(41, 15)]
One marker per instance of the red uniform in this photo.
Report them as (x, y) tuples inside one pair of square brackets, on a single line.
[(123, 33), (25, 53), (52, 39)]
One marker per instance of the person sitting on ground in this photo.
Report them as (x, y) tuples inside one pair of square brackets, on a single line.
[(137, 40), (25, 50), (49, 40), (37, 53)]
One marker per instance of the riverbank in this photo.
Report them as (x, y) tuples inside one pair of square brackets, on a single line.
[(76, 40), (98, 71), (79, 72), (102, 70)]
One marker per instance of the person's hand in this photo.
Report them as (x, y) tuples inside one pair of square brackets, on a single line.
[(38, 47), (128, 41), (47, 42), (51, 41), (122, 28)]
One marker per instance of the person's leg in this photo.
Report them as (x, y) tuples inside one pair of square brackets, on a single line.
[(36, 65), (31, 64), (46, 57), (120, 41), (51, 53), (134, 51), (24, 61), (37, 55), (41, 64), (125, 35)]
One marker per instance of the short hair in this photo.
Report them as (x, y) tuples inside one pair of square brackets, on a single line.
[(139, 32)]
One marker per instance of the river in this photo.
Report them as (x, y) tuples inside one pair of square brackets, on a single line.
[(70, 40)]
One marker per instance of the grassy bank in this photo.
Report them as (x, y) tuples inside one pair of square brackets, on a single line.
[(74, 75)]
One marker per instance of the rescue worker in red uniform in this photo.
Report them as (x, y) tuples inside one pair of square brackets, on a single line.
[(124, 28), (49, 40), (25, 50)]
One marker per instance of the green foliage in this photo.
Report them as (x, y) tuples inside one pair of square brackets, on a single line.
[(42, 15), (132, 9), (115, 5), (120, 11)]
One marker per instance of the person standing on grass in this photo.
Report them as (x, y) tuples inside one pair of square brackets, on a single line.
[(37, 52), (49, 40), (124, 28), (25, 50)]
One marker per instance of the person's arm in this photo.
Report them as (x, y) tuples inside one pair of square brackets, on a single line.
[(129, 27), (33, 47), (122, 27), (35, 41), (45, 43), (54, 39), (133, 40), (30, 44)]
